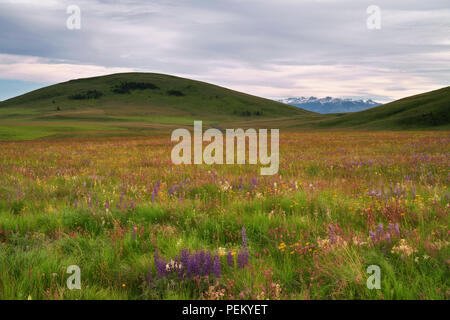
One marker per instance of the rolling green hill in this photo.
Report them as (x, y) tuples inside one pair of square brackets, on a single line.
[(130, 103), (147, 103), (430, 110)]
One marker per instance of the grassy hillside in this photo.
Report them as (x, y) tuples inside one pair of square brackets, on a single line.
[(130, 103), (430, 110), (135, 104)]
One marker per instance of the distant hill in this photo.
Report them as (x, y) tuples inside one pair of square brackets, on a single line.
[(329, 104), (130, 104), (142, 94), (430, 110)]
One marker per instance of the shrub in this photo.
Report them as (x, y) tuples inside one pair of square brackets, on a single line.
[(90, 94), (175, 93), (247, 113), (127, 87)]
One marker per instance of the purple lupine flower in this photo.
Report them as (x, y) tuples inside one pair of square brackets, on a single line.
[(121, 196), (184, 257), (201, 257), (193, 265), (208, 264), (380, 228), (160, 265), (253, 184), (390, 227), (372, 235), (197, 265), (397, 229), (132, 205), (332, 239), (239, 260), (242, 258), (76, 203), (155, 191), (216, 267), (230, 258), (244, 238), (190, 266), (332, 235), (388, 237), (162, 271)]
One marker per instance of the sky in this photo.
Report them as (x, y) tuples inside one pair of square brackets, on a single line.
[(269, 48)]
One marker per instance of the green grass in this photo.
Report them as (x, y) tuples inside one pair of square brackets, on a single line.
[(424, 111), (36, 131), (186, 121), (106, 266)]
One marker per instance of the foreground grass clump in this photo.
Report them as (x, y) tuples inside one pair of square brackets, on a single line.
[(140, 228)]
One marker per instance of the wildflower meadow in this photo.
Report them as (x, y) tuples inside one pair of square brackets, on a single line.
[(140, 227)]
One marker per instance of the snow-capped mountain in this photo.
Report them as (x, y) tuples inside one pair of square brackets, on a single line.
[(329, 104)]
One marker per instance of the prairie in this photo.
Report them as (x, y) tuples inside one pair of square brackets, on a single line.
[(140, 227)]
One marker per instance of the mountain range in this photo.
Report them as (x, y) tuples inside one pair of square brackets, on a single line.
[(329, 104)]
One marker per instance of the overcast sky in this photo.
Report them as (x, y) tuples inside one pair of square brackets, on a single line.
[(270, 48)]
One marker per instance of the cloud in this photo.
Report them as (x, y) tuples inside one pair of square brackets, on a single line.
[(278, 81), (264, 47), (35, 69)]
